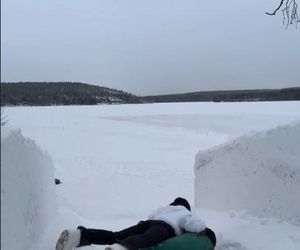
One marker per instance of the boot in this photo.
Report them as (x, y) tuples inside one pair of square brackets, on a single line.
[(68, 240)]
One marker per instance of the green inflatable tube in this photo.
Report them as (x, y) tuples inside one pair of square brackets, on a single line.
[(186, 241)]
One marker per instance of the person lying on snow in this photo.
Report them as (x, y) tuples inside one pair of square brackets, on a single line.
[(164, 223)]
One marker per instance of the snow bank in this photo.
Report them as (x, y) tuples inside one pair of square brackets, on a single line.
[(28, 201), (258, 173)]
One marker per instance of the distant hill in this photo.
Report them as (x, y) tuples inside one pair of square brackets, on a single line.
[(61, 93), (230, 96), (77, 93)]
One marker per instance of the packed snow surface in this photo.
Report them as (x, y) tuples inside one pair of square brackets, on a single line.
[(118, 163)]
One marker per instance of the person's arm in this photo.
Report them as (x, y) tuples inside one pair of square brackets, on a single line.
[(155, 213), (193, 224)]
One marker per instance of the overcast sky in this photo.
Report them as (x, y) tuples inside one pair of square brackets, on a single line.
[(149, 46)]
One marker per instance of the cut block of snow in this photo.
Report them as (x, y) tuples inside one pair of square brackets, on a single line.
[(257, 173), (28, 199)]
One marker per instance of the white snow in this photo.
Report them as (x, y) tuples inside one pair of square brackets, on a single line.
[(257, 173), (255, 177), (118, 163), (28, 198)]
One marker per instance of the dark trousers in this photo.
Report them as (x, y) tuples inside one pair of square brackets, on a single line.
[(145, 234)]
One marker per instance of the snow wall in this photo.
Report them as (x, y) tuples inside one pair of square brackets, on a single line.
[(28, 198), (258, 173)]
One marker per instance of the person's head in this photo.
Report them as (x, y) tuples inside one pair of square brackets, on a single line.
[(181, 201)]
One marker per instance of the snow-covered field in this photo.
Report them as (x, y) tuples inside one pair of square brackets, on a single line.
[(118, 163)]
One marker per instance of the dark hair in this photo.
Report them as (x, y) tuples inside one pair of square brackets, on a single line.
[(181, 201)]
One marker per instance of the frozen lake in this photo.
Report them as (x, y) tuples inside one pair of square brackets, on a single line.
[(119, 162)]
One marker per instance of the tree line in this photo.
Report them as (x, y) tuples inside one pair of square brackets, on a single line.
[(75, 93), (285, 94), (61, 93)]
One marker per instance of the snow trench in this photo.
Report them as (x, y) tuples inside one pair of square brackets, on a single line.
[(256, 173), (28, 199)]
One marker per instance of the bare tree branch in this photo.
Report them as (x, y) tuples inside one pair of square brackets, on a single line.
[(289, 10), (274, 13)]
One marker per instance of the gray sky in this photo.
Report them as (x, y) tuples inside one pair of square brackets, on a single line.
[(149, 46)]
